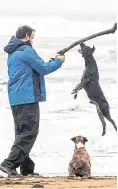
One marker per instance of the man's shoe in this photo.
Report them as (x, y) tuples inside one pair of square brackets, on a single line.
[(10, 172)]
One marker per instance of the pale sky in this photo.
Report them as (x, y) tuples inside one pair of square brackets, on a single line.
[(64, 5)]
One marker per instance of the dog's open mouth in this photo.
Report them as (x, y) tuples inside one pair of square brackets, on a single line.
[(80, 51)]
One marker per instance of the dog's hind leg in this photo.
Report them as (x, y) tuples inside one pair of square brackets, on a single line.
[(101, 116), (108, 117), (106, 112)]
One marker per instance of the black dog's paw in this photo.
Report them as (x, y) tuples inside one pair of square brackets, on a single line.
[(75, 96), (73, 91)]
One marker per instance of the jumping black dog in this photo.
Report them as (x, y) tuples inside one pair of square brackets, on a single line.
[(90, 82)]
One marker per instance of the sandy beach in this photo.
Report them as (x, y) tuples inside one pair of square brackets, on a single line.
[(60, 182)]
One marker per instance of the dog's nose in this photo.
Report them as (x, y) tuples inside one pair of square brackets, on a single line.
[(82, 45)]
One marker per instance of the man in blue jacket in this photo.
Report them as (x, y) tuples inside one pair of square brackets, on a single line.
[(26, 87)]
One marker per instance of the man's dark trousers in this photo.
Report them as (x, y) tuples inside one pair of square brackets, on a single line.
[(26, 119)]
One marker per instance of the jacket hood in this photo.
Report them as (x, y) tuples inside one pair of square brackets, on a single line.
[(13, 44)]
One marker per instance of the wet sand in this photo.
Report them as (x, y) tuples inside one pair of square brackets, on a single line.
[(59, 182)]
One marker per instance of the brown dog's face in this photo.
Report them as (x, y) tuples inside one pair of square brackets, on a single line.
[(79, 141)]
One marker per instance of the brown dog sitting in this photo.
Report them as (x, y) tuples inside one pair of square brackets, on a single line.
[(80, 165)]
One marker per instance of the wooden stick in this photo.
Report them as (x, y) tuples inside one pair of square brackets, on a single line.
[(112, 30)]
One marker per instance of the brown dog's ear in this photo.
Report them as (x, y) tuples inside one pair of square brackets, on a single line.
[(85, 139), (73, 139)]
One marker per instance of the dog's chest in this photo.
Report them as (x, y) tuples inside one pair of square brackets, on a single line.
[(90, 74)]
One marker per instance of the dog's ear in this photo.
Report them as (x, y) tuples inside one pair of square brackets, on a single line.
[(93, 49), (73, 139), (85, 139)]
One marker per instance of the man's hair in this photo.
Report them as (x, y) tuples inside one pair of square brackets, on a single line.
[(23, 30)]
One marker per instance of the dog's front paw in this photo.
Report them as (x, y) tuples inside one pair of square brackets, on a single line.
[(73, 91), (72, 176), (85, 177), (75, 96)]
